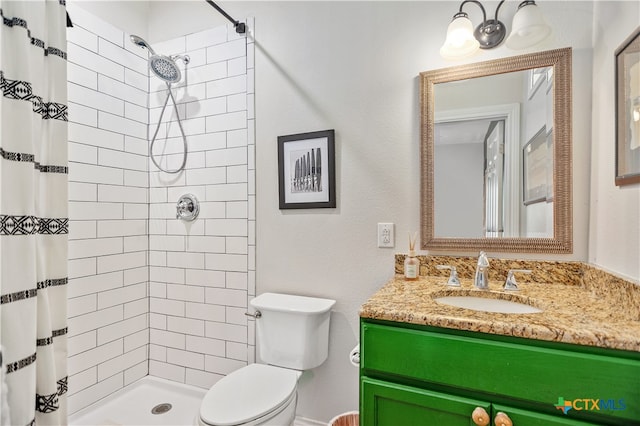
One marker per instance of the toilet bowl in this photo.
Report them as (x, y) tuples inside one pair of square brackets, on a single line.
[(257, 394), (292, 333)]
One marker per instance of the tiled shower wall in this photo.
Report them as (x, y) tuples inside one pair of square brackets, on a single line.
[(202, 273), (108, 210), (128, 254)]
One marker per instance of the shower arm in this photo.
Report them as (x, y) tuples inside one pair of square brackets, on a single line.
[(241, 28)]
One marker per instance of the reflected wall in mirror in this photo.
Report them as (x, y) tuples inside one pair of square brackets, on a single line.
[(496, 155)]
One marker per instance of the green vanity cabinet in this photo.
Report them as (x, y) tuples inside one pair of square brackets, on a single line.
[(421, 375), (386, 403)]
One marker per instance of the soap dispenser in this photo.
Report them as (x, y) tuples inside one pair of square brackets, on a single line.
[(411, 263)]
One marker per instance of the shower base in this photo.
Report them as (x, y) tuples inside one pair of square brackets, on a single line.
[(133, 405)]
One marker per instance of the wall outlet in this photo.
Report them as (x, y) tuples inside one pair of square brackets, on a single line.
[(386, 235)]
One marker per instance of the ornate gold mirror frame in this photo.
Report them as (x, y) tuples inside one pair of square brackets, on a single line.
[(562, 241)]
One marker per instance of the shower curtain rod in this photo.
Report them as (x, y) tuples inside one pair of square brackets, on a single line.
[(241, 28)]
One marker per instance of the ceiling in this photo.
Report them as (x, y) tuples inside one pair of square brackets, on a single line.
[(461, 132)]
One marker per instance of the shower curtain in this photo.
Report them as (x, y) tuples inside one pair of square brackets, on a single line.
[(33, 209)]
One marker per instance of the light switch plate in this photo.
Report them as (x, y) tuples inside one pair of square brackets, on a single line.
[(386, 235)]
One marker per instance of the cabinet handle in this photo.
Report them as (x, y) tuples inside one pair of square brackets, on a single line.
[(480, 417), (502, 419)]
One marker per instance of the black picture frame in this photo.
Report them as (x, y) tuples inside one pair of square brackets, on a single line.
[(627, 121), (306, 170)]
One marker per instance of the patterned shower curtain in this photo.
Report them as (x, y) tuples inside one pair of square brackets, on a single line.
[(33, 209)]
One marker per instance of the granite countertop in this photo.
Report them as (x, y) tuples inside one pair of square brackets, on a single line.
[(571, 313)]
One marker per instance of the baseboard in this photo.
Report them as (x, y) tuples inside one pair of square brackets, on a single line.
[(303, 421)]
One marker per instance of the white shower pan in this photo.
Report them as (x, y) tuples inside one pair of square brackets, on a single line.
[(133, 405)]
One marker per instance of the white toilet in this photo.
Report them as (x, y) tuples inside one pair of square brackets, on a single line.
[(293, 335)]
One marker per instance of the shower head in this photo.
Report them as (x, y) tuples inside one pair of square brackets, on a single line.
[(163, 67), (139, 41)]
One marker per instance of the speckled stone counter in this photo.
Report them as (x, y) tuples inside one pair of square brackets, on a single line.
[(603, 312)]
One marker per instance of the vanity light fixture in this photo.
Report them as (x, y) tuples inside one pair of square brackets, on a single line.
[(528, 29)]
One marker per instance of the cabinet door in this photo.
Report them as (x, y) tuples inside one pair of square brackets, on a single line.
[(390, 404), (529, 418)]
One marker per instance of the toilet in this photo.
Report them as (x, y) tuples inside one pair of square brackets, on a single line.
[(292, 333)]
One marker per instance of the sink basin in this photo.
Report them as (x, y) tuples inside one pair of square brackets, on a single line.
[(488, 305)]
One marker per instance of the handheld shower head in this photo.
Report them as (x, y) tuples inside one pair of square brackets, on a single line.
[(162, 66), (139, 41), (165, 68)]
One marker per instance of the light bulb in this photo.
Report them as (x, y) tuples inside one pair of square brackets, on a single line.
[(460, 41), (529, 27)]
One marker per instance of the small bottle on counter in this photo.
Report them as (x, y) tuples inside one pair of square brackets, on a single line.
[(411, 263)]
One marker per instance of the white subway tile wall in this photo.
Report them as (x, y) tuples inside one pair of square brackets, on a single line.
[(108, 196), (196, 335), (149, 294)]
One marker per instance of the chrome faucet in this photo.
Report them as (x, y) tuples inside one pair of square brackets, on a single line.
[(453, 281), (510, 283), (481, 279)]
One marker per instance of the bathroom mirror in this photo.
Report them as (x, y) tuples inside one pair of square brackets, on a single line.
[(496, 155)]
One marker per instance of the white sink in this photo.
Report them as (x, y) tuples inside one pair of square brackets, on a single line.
[(488, 305)]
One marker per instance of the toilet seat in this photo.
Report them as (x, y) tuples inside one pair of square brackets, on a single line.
[(248, 394)]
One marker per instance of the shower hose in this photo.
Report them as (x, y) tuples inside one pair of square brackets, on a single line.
[(155, 134)]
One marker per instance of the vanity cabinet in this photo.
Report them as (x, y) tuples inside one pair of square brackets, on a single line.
[(422, 375)]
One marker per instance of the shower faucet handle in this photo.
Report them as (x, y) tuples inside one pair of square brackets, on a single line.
[(187, 208)]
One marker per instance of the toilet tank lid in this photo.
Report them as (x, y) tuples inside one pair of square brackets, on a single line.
[(292, 303)]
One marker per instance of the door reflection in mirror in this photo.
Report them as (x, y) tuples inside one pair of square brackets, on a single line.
[(481, 127)]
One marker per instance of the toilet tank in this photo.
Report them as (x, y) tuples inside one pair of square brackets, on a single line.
[(293, 331)]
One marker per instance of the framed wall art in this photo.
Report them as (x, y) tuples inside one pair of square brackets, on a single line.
[(627, 120), (306, 170)]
